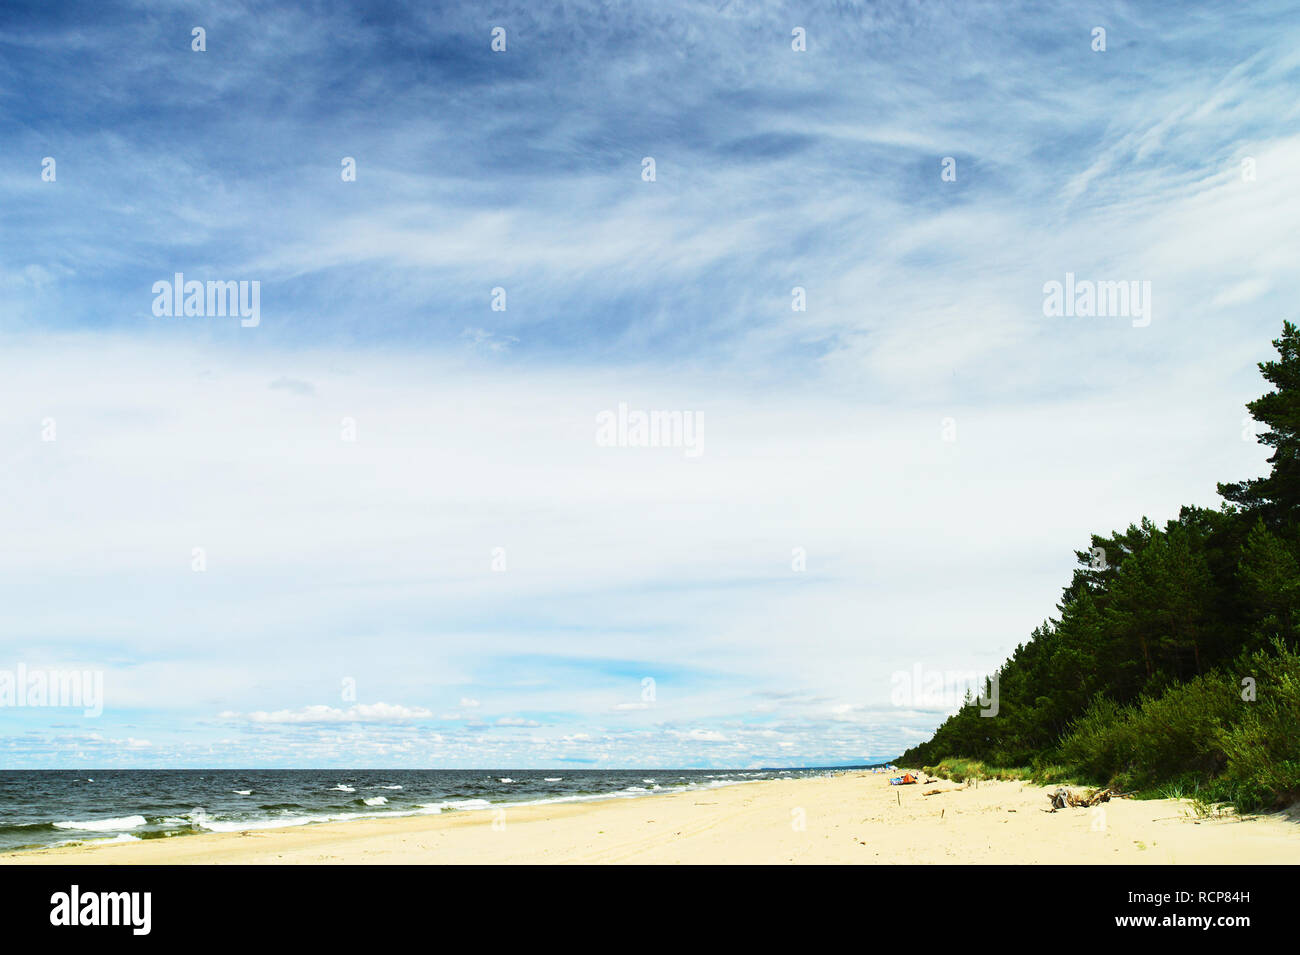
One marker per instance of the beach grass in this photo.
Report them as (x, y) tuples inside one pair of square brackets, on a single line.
[(960, 770)]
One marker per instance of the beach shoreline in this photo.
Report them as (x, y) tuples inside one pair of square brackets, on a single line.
[(850, 817)]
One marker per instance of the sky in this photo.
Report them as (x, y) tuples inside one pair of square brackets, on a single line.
[(378, 526)]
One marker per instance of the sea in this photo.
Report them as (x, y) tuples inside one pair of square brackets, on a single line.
[(52, 807)]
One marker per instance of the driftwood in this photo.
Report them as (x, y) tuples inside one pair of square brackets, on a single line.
[(1063, 797)]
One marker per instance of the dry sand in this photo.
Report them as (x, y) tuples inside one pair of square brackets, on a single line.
[(847, 818)]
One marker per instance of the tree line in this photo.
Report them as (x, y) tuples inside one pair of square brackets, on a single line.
[(1173, 654)]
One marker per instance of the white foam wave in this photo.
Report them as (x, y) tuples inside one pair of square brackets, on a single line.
[(461, 804), (236, 825), (102, 825), (120, 837)]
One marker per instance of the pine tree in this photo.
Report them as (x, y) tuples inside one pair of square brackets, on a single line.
[(1277, 496), (1269, 578)]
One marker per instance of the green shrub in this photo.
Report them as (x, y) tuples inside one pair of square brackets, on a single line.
[(1262, 744), (1099, 744), (1178, 732), (1160, 738)]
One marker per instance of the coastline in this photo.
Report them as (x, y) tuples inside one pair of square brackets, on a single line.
[(852, 817)]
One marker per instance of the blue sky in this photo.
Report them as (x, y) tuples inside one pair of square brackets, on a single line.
[(372, 560)]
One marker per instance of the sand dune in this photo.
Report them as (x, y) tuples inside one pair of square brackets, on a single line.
[(848, 818)]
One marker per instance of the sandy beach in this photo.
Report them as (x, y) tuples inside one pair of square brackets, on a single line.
[(847, 818)]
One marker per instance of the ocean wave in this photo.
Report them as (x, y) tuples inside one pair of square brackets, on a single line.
[(318, 805), (239, 825), (635, 792), (449, 804), (26, 827), (290, 821), (193, 819), (120, 837), (103, 825)]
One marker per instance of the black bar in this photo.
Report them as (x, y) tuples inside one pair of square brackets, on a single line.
[(330, 904)]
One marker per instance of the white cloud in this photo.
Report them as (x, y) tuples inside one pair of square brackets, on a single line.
[(319, 713), (699, 735), (325, 556)]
